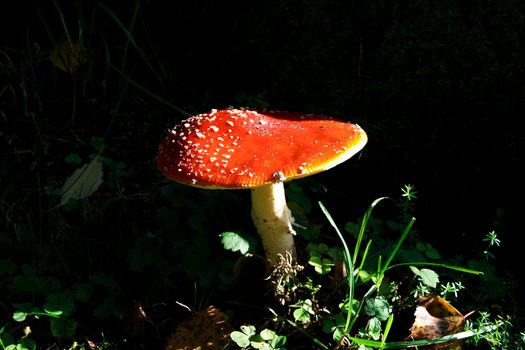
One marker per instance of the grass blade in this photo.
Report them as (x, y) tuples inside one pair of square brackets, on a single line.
[(308, 335), (148, 92), (366, 217), (388, 326), (131, 40), (417, 343), (446, 266), (63, 21), (349, 266), (398, 245)]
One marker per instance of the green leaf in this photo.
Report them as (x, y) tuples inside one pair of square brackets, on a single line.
[(22, 310), (84, 182), (303, 311), (421, 247), (23, 344), (335, 326), (139, 258), (278, 342), (98, 143), (83, 291), (352, 228), (73, 158), (110, 283), (334, 252), (104, 309), (321, 265), (322, 248), (432, 253), (234, 242), (301, 315), (248, 330), (267, 334), (260, 345), (63, 328), (294, 193), (428, 250), (59, 304), (241, 339), (426, 276), (378, 307), (19, 316), (373, 328), (246, 337), (429, 277), (345, 306)]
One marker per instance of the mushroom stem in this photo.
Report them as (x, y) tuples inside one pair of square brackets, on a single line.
[(273, 220)]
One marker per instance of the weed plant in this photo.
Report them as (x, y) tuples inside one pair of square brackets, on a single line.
[(353, 299)]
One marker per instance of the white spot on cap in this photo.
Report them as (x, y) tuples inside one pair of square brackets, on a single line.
[(278, 176)]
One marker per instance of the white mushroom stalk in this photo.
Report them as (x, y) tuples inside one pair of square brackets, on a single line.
[(273, 220)]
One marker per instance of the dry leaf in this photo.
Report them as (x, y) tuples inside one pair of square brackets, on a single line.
[(436, 318), (139, 320), (205, 329), (84, 181), (68, 56)]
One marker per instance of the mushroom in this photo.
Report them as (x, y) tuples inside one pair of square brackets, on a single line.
[(259, 150)]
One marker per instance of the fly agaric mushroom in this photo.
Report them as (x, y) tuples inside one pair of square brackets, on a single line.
[(259, 150)]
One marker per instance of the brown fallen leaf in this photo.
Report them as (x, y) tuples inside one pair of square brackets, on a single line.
[(436, 318), (139, 320), (205, 329)]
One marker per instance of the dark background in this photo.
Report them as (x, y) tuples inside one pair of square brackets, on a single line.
[(438, 86)]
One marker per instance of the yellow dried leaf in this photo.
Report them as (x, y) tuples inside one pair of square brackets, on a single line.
[(68, 56)]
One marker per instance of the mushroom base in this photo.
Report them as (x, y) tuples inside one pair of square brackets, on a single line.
[(273, 220)]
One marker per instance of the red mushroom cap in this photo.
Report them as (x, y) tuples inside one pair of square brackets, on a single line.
[(241, 148)]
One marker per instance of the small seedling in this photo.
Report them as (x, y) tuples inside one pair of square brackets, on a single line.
[(249, 338), (323, 258), (304, 310)]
